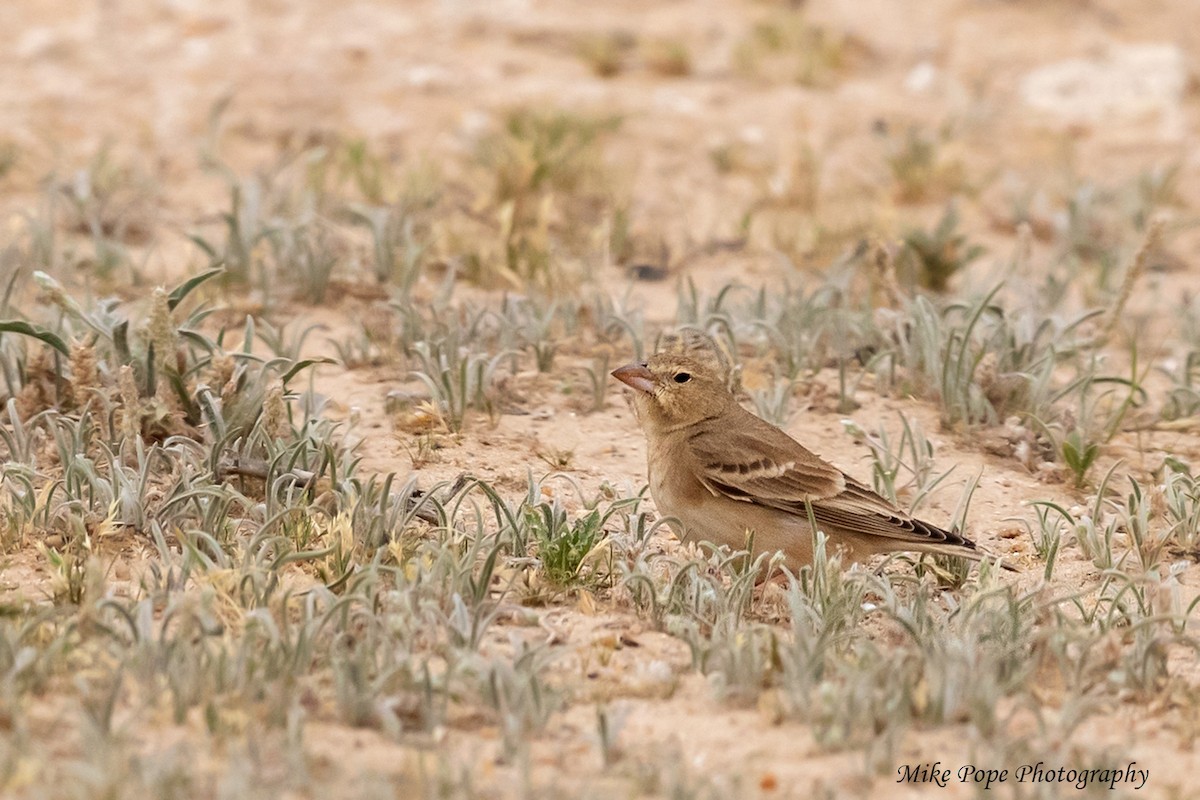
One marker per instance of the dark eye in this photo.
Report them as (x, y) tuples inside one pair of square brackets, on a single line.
[(682, 377)]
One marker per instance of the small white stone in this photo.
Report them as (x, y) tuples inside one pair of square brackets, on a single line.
[(920, 79)]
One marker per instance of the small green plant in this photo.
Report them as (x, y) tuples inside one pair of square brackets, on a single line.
[(805, 330), (111, 201), (1078, 454), (1096, 531), (920, 168), (244, 226), (458, 379), (606, 54), (308, 250), (537, 327), (1183, 400), (913, 455), (72, 568), (1047, 534), (368, 170), (1147, 536), (787, 44), (565, 547), (1104, 403), (398, 249), (549, 190), (931, 258), (1181, 500), (598, 381), (520, 697)]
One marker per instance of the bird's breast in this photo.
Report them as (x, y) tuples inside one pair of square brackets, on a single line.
[(676, 490)]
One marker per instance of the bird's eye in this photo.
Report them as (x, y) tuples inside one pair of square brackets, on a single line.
[(682, 377)]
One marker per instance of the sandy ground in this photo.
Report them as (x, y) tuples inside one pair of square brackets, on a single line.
[(422, 80)]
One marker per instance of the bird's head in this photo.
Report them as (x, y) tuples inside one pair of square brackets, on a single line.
[(678, 386)]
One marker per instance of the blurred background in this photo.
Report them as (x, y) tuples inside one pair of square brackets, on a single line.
[(676, 134)]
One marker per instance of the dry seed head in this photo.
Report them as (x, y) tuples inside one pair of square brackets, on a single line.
[(1141, 261), (29, 400), (885, 271), (131, 404), (220, 369), (165, 394), (1158, 502), (85, 377), (37, 392), (159, 329), (275, 416), (229, 389)]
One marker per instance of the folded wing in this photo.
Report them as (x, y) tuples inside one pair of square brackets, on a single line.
[(755, 462)]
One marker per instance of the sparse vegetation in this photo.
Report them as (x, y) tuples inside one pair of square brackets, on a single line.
[(921, 166), (786, 45), (233, 565), (931, 258), (606, 53), (669, 57)]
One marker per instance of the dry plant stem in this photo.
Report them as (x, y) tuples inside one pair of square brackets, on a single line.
[(85, 377), (131, 425), (885, 270), (1140, 261), (259, 469), (1024, 248)]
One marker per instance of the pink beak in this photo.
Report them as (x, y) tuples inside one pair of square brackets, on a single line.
[(635, 376)]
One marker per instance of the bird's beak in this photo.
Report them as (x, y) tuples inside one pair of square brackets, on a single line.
[(635, 376)]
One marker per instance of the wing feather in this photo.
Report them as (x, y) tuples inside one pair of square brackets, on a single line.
[(753, 461)]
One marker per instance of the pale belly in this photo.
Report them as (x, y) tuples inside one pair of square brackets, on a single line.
[(672, 500), (670, 497), (706, 517)]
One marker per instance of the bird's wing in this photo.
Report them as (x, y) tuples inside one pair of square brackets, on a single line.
[(755, 462), (751, 460), (860, 510)]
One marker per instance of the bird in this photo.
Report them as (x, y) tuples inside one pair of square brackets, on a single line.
[(725, 474)]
